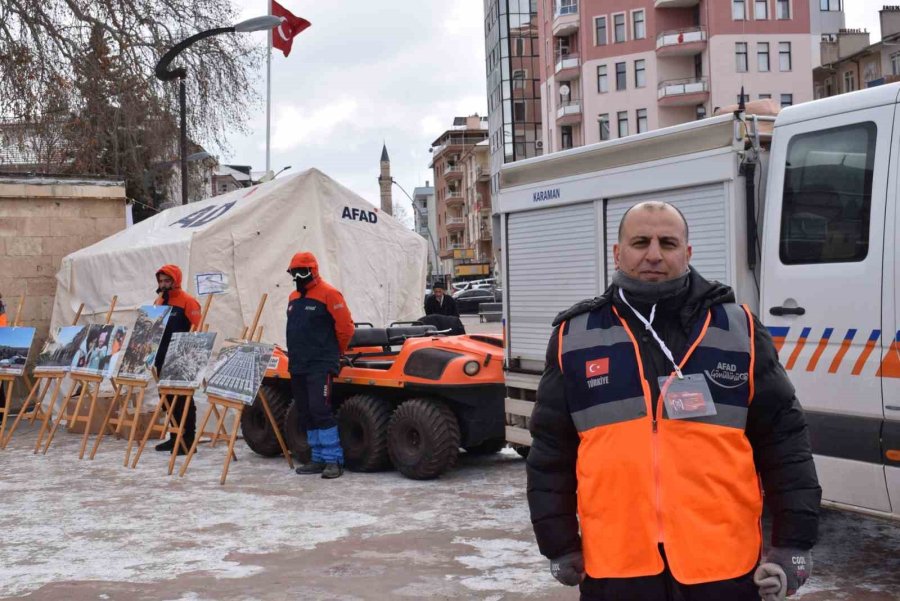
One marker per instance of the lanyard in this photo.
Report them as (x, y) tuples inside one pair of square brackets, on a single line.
[(648, 324)]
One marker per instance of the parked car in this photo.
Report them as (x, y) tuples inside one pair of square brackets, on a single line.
[(467, 301)]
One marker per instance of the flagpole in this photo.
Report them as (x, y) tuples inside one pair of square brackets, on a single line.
[(269, 96)]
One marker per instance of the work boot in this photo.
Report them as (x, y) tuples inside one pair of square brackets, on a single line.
[(313, 467), (332, 470), (166, 446)]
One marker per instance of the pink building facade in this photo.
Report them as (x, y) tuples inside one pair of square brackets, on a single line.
[(612, 68)]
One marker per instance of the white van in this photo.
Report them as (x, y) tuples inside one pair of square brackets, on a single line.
[(814, 257)]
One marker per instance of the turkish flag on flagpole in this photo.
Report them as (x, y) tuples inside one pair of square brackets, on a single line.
[(283, 35)]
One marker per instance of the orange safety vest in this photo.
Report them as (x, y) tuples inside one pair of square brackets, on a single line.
[(690, 484)]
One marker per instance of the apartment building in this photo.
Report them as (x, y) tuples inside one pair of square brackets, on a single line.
[(479, 236), (850, 63), (512, 64), (425, 218), (611, 68), (455, 247)]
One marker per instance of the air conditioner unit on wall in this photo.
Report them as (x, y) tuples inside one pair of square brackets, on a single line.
[(539, 144)]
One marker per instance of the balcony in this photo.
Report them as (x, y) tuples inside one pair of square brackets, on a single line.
[(676, 3), (455, 199), (453, 247), (483, 173), (486, 232), (565, 18), (458, 142), (568, 112), (456, 224), (453, 173), (683, 92), (681, 42), (568, 67)]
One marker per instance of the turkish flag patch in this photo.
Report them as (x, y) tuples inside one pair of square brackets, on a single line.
[(597, 367)]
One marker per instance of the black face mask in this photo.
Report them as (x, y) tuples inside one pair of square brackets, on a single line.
[(302, 280), (165, 293)]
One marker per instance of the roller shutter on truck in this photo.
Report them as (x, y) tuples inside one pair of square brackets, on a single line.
[(553, 262), (705, 210)]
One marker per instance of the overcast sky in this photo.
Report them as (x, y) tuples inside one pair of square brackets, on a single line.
[(396, 71)]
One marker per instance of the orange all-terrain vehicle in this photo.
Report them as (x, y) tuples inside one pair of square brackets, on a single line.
[(406, 395)]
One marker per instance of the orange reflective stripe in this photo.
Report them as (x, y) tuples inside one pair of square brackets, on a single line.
[(640, 364), (750, 380), (820, 348), (864, 356), (559, 350), (801, 342), (690, 351), (845, 346)]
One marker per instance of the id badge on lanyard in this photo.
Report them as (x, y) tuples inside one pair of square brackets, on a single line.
[(686, 397)]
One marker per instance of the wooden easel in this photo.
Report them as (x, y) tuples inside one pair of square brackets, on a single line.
[(129, 393), (9, 380), (48, 379), (172, 424), (216, 403), (90, 383)]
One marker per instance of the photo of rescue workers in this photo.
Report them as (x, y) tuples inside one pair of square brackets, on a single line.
[(239, 370), (15, 343), (186, 359), (60, 349), (100, 350), (144, 342)]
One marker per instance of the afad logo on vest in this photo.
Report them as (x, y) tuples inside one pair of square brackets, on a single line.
[(597, 372), (726, 375)]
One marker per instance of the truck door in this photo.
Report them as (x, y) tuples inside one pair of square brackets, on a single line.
[(890, 368), (821, 293)]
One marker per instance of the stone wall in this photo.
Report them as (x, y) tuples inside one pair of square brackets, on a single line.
[(41, 221)]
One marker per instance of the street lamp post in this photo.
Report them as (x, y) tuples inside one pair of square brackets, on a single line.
[(437, 259), (163, 73)]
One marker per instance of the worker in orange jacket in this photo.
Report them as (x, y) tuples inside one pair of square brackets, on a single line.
[(319, 329), (185, 314)]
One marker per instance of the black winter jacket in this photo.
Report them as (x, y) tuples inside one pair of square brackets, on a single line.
[(447, 307), (776, 427)]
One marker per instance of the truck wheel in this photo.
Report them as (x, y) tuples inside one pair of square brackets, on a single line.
[(423, 438), (295, 436), (363, 422), (255, 426), (488, 447)]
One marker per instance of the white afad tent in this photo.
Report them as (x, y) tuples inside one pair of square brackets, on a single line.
[(238, 246)]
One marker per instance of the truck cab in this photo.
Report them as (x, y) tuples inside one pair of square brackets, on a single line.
[(829, 284)]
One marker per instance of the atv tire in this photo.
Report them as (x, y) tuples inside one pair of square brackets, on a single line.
[(295, 436), (423, 439), (255, 426), (363, 423), (487, 447)]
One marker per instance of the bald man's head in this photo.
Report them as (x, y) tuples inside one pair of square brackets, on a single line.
[(654, 205), (652, 244)]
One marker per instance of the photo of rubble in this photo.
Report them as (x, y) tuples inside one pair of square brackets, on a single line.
[(60, 349), (239, 370), (186, 359), (144, 342), (14, 346), (100, 350)]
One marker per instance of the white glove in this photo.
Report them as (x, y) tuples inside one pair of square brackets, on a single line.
[(772, 582)]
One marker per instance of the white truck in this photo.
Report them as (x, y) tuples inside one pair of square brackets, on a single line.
[(814, 257)]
